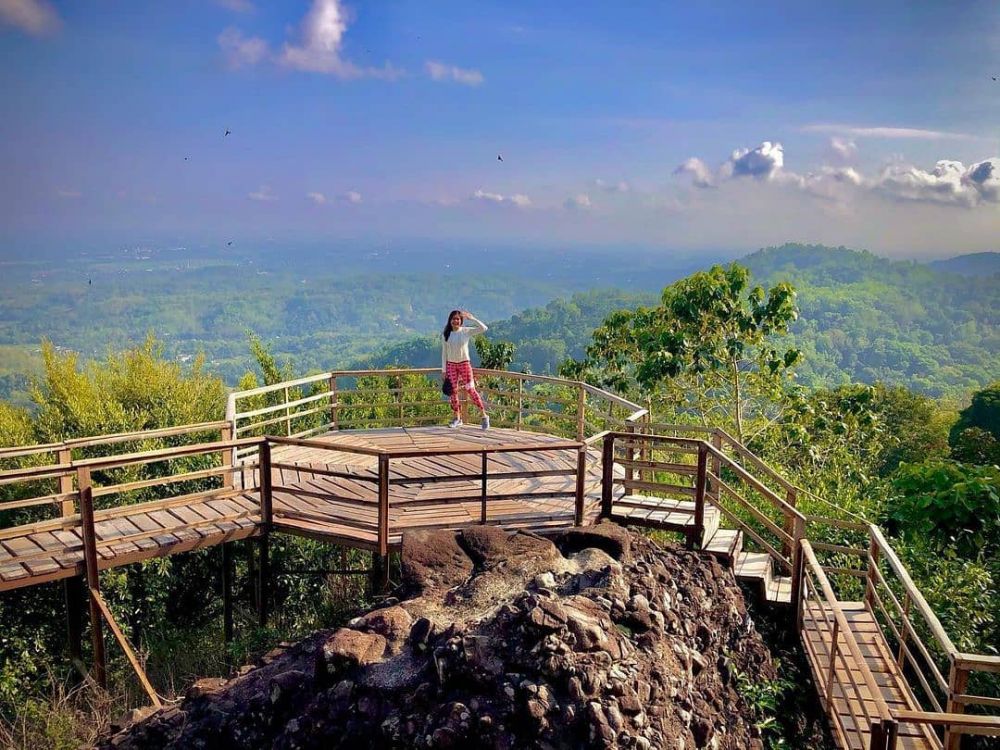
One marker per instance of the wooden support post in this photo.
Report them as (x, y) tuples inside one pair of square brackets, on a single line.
[(378, 576), (66, 482), (791, 498), (264, 544), (399, 398), (463, 405), (799, 589), (383, 505), (334, 405), (581, 412), (73, 590), (646, 453), (229, 478), (630, 450), (607, 475), (958, 682), (250, 543), (581, 485), (227, 593), (484, 477), (88, 533), (834, 647), (697, 537), (264, 550), (798, 570)]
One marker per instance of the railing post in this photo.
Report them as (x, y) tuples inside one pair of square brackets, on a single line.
[(791, 498), (229, 478), (798, 534), (904, 631), (71, 586), (482, 513), (288, 416), (607, 474), (716, 463), (871, 583), (380, 572), (646, 453), (799, 589), (520, 402), (697, 538), (66, 482), (630, 451), (958, 681), (581, 406), (833, 661), (581, 485), (89, 535), (334, 404)]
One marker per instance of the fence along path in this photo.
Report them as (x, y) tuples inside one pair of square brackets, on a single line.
[(566, 453)]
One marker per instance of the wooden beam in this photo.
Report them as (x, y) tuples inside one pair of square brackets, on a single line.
[(97, 599), (581, 486), (607, 474), (93, 576), (699, 499), (383, 504), (227, 594), (73, 589)]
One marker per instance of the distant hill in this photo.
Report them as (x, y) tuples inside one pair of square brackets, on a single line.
[(866, 318), (973, 264), (863, 318)]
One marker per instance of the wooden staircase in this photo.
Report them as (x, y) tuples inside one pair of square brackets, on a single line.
[(672, 514)]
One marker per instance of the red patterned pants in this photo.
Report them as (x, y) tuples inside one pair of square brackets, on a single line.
[(460, 375)]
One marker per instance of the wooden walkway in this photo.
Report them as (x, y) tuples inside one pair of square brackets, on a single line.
[(846, 705), (50, 550)]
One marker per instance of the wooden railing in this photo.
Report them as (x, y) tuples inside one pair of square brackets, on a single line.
[(841, 667), (365, 399)]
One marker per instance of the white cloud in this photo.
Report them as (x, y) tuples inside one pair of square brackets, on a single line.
[(440, 71), (352, 196), (613, 187), (842, 150), (263, 193), (68, 193), (762, 162), (885, 132), (318, 198), (320, 47), (240, 51), (518, 199), (950, 183), (578, 202), (237, 6), (318, 50), (36, 17), (701, 175)]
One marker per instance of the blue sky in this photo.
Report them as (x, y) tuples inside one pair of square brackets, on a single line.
[(677, 125)]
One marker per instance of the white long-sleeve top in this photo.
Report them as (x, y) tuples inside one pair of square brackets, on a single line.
[(456, 347)]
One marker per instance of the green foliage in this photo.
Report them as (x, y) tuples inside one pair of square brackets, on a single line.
[(975, 437), (496, 355), (766, 699), (950, 504), (708, 347)]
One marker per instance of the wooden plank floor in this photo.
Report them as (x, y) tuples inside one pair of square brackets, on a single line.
[(882, 664), (427, 492), (50, 550)]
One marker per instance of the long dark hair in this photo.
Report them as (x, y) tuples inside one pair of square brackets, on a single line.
[(447, 326)]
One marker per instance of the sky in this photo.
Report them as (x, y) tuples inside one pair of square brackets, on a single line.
[(683, 126)]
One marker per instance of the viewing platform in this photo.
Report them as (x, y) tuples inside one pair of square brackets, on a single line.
[(360, 458)]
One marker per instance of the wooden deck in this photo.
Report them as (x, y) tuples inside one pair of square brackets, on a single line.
[(50, 550), (331, 495), (846, 705), (429, 488)]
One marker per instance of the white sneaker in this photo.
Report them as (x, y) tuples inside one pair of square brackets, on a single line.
[(456, 422), (486, 421)]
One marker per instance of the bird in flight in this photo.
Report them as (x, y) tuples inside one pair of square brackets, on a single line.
[(499, 157), (229, 243), (228, 131)]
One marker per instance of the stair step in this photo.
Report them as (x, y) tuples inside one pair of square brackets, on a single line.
[(668, 504), (725, 544), (780, 590), (754, 566)]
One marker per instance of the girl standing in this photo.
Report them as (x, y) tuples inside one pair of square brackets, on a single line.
[(455, 364)]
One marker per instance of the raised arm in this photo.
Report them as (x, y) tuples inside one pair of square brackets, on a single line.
[(477, 326)]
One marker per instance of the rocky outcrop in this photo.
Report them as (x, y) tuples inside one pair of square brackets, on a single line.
[(598, 638)]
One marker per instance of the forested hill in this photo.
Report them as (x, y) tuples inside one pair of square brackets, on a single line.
[(973, 264), (863, 318), (545, 336)]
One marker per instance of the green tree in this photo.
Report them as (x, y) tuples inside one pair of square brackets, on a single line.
[(494, 355), (709, 347), (975, 437)]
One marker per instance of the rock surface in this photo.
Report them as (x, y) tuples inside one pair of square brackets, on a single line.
[(596, 639)]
